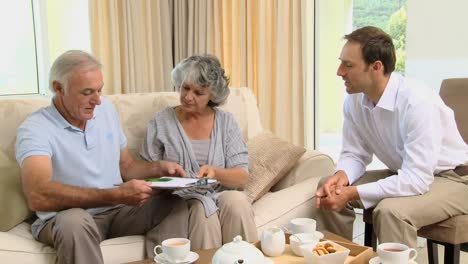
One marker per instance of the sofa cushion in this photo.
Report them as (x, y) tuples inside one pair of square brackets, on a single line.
[(270, 159), (13, 207), (18, 246), (136, 110), (243, 105), (20, 249)]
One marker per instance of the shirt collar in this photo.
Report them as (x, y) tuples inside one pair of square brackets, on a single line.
[(388, 99), (62, 121)]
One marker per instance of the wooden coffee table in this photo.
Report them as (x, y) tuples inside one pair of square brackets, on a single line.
[(207, 254)]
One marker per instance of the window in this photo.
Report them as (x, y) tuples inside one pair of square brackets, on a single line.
[(18, 69), (334, 19), (387, 15), (42, 31)]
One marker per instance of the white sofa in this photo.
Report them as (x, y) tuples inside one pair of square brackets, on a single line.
[(289, 198)]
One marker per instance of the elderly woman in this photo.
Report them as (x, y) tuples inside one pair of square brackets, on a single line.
[(206, 142)]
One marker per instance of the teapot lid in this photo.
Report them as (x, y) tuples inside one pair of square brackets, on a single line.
[(238, 250)]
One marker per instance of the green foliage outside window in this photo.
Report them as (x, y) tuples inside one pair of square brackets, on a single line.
[(389, 15)]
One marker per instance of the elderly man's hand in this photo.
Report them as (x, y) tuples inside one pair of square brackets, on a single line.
[(135, 192)]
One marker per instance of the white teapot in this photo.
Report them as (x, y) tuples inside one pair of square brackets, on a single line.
[(273, 241), (239, 251)]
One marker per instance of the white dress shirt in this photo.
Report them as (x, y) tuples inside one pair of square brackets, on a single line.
[(410, 130)]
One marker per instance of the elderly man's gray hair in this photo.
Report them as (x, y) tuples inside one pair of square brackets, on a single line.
[(69, 61), (205, 71)]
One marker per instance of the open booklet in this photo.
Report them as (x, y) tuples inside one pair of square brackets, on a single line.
[(168, 182)]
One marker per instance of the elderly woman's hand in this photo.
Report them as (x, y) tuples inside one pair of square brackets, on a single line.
[(207, 171), (168, 168)]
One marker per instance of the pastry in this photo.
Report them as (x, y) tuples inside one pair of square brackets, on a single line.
[(325, 249)]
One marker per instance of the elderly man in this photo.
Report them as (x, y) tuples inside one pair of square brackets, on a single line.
[(72, 153), (410, 130)]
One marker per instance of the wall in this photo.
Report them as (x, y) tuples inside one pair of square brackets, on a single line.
[(67, 26), (437, 40)]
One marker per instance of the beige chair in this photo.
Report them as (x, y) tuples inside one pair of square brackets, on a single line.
[(453, 231)]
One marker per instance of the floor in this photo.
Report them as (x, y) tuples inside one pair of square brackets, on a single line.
[(422, 251)]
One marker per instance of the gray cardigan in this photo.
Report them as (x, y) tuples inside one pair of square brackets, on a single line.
[(166, 140)]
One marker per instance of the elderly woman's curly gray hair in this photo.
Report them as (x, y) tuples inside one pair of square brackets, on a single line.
[(205, 71)]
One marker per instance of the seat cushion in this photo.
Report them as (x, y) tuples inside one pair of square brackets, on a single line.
[(18, 246), (453, 230)]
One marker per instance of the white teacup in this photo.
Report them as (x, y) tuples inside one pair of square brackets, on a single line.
[(396, 253), (173, 249), (302, 225)]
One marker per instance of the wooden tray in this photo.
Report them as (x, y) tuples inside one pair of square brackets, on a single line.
[(358, 254)]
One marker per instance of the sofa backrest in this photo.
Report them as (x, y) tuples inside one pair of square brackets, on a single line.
[(135, 111)]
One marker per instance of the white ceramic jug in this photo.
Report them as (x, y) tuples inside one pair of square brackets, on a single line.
[(273, 241)]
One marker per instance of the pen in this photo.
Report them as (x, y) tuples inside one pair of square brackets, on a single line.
[(200, 182)]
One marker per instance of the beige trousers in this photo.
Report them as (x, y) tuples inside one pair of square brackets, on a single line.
[(76, 235), (235, 217), (398, 219)]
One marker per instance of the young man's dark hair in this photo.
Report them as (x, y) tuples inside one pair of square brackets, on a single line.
[(376, 45)]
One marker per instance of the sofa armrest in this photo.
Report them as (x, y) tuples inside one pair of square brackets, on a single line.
[(312, 164), (279, 207)]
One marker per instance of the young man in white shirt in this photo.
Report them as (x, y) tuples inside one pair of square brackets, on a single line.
[(410, 129)]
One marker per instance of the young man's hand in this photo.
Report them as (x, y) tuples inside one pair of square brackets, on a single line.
[(336, 202), (332, 187)]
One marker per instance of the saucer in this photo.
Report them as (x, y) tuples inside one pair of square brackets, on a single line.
[(316, 233), (191, 257), (376, 260)]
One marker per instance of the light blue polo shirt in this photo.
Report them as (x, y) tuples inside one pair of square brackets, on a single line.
[(88, 159)]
